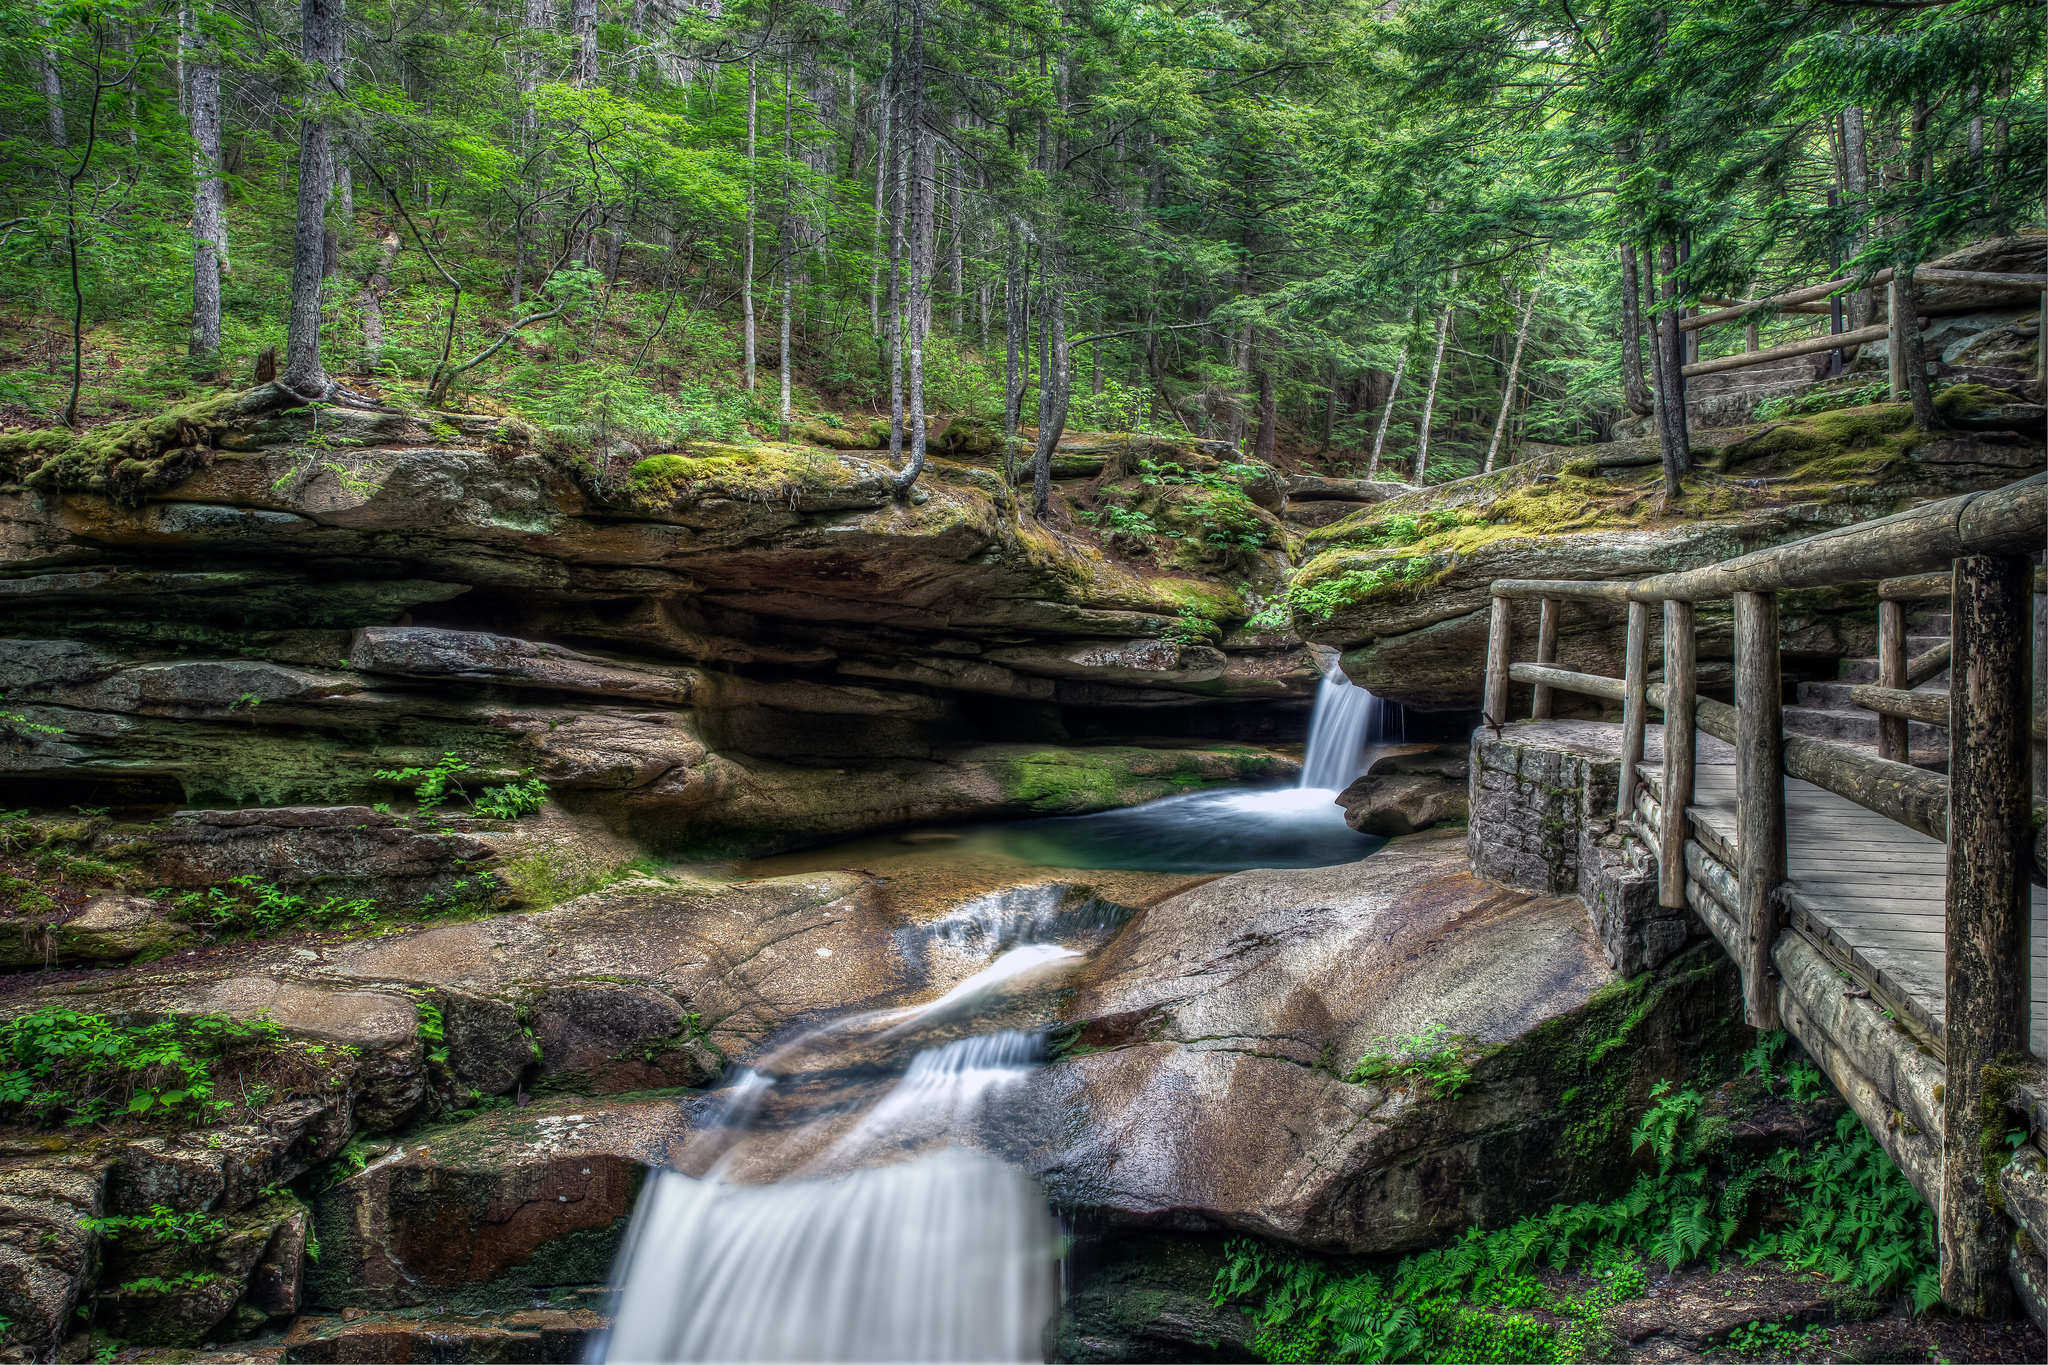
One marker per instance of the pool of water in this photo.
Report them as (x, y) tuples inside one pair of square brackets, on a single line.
[(1225, 829)]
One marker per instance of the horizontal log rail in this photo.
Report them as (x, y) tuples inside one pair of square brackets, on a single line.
[(1805, 346), (1924, 586), (1791, 300), (1929, 708)]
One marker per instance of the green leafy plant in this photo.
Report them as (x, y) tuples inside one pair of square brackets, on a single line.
[(511, 801), (1190, 627), (1324, 597), (1762, 1056), (1780, 1340), (160, 1224), (15, 724), (86, 1068), (1437, 1057)]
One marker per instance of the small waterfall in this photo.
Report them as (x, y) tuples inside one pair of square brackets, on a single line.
[(835, 1201), (1346, 719)]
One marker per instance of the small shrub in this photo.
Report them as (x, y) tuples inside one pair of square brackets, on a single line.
[(1439, 1058)]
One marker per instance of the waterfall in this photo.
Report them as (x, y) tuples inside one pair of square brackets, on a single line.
[(1346, 719), (845, 1208)]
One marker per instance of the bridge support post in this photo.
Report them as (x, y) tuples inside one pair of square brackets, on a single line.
[(1681, 741), (1500, 641), (1891, 672), (1635, 678), (1988, 914), (1760, 782), (1546, 653)]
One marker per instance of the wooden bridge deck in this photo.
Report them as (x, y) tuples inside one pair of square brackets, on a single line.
[(1867, 890)]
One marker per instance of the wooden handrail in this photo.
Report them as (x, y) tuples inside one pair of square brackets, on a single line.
[(1921, 586), (1805, 295), (1806, 346)]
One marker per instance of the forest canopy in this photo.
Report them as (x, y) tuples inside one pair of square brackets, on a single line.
[(1407, 236)]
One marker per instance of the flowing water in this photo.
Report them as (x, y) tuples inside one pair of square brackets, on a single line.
[(857, 1192), (1347, 718)]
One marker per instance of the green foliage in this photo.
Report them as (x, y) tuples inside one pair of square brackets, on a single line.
[(1779, 1340), (160, 1224), (1846, 1212), (1322, 598), (1763, 1054), (248, 904), (513, 800), (86, 1068), (1437, 1057), (1827, 399), (1191, 627), (16, 726)]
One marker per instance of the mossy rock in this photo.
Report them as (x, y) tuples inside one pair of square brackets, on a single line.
[(970, 440), (872, 436), (129, 460)]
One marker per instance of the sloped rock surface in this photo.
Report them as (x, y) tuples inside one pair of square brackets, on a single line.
[(1204, 1083)]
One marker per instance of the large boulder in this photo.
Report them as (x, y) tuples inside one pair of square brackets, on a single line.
[(47, 1261), (485, 1214), (1204, 1085), (1403, 793), (241, 1276)]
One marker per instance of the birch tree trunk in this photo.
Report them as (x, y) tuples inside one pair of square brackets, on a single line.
[(1055, 389), (1379, 439), (883, 130), (1436, 372), (791, 238), (1507, 396), (1015, 281), (53, 93), (1635, 388), (922, 200), (747, 340), (324, 29), (536, 21), (370, 304), (583, 32), (898, 207), (958, 246), (1269, 404), (209, 229), (1676, 444)]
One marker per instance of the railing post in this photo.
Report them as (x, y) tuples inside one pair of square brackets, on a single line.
[(1546, 653), (1891, 672), (1681, 693), (1500, 638), (1760, 789), (1989, 909), (1635, 676)]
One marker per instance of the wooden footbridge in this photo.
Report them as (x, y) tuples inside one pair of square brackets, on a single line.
[(1886, 915)]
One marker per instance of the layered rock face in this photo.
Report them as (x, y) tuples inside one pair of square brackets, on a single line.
[(708, 653)]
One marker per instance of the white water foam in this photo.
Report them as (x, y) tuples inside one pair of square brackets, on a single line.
[(945, 1257), (1346, 719)]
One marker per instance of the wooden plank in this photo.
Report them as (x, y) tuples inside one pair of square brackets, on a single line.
[(1500, 638), (1891, 673), (1559, 587)]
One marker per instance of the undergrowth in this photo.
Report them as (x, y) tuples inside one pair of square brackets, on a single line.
[(61, 1066), (1842, 1209)]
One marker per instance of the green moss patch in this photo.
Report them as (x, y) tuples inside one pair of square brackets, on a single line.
[(123, 460)]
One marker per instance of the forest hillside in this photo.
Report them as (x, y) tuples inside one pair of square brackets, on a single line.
[(1393, 240)]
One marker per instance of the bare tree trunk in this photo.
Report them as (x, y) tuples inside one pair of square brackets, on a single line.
[(747, 340), (209, 228), (53, 93), (1673, 438), (1269, 405), (1635, 388), (178, 65), (583, 33), (924, 247), (536, 20), (1906, 333), (1379, 440), (1436, 371), (883, 130), (1507, 395), (344, 194), (922, 201), (1856, 159), (792, 234), (370, 304), (898, 207), (323, 47), (958, 247), (1330, 410), (1055, 387), (1015, 282)]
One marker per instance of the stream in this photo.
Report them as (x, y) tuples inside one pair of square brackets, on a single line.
[(859, 1191)]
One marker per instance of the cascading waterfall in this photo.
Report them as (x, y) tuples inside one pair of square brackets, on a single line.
[(1346, 719), (859, 1220)]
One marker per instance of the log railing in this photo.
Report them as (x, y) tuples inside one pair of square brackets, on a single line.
[(1971, 548), (1821, 299)]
